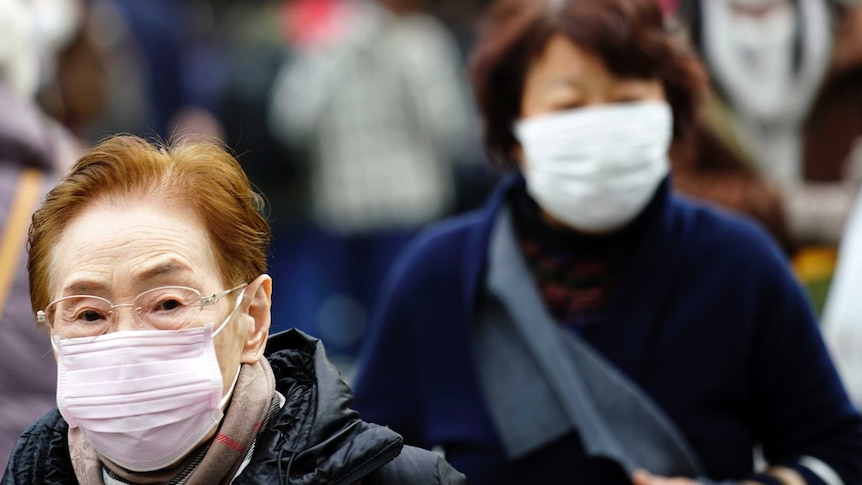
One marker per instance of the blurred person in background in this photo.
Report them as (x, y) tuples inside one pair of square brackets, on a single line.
[(149, 68), (33, 149), (788, 106), (460, 17), (374, 97), (475, 179), (254, 52), (183, 69), (74, 91), (147, 265), (588, 322)]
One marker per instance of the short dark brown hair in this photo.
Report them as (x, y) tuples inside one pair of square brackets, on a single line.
[(631, 36)]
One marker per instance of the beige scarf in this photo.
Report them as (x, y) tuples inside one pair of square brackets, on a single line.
[(221, 460)]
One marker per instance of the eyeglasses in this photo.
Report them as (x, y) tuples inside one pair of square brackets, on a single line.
[(163, 308)]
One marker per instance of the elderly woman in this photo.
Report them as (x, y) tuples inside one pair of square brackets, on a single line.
[(587, 323), (147, 265)]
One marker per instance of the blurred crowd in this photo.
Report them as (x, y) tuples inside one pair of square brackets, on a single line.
[(356, 120)]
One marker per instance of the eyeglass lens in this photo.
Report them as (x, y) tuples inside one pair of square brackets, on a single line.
[(166, 308)]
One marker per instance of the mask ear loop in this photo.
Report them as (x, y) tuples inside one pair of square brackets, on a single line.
[(226, 398)]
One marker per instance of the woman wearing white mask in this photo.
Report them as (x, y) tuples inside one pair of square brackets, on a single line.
[(147, 266), (588, 323)]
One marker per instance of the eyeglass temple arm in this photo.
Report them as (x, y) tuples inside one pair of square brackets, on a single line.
[(209, 300)]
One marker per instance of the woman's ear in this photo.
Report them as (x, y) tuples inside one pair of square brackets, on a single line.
[(258, 298), (517, 154)]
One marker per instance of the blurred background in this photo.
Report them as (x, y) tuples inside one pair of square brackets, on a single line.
[(356, 120)]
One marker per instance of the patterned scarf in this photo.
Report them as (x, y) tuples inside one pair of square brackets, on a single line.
[(215, 462), (574, 272)]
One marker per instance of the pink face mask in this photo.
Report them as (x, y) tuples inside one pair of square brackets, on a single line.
[(143, 399)]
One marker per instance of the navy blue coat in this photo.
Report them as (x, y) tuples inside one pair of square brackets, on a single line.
[(707, 318)]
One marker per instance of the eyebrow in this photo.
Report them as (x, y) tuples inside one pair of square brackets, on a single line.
[(84, 286), (564, 81), (162, 269)]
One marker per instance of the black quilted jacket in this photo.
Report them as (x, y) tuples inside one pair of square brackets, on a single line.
[(315, 439)]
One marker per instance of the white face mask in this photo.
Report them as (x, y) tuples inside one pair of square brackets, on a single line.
[(143, 399), (596, 168)]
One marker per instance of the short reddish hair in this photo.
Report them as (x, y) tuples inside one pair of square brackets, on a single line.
[(631, 36), (201, 175)]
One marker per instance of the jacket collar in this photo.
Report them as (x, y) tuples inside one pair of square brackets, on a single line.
[(317, 435)]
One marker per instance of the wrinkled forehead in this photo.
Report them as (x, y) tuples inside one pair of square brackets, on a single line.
[(131, 239)]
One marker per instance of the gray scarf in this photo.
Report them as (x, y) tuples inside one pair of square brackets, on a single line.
[(560, 383)]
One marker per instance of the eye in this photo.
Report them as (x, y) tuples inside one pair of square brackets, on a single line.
[(635, 90), (164, 307), (81, 316), (168, 304), (90, 316), (84, 314), (566, 106)]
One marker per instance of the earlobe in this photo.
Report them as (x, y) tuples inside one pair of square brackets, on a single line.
[(518, 156), (259, 297)]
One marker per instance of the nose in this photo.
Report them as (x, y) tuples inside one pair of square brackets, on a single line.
[(125, 320)]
